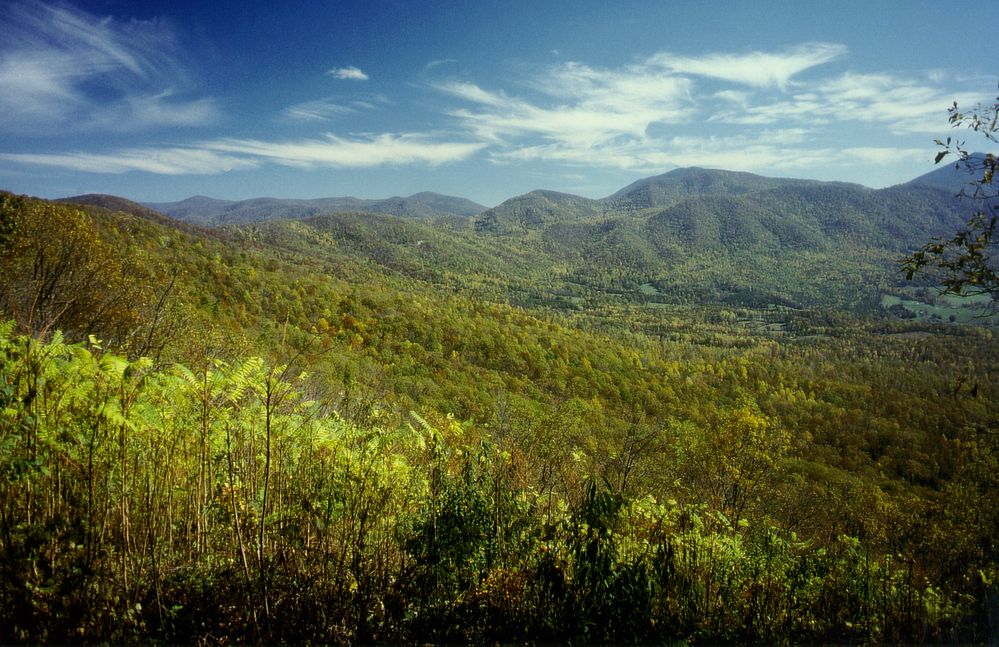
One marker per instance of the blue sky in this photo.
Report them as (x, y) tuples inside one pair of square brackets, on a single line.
[(157, 101)]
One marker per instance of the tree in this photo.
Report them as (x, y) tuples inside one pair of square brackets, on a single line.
[(969, 261), (734, 461), (58, 273)]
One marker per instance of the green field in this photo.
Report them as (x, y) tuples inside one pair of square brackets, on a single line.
[(946, 308)]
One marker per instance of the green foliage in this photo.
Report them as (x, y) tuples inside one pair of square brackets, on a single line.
[(57, 273), (132, 495), (734, 463), (61, 270)]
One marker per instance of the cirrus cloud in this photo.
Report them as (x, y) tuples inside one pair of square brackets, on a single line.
[(759, 69), (161, 161), (223, 155), (333, 150), (65, 70), (752, 111), (582, 112)]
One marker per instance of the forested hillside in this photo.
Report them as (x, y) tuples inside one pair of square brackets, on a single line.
[(705, 409)]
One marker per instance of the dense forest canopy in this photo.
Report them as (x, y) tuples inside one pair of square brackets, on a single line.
[(707, 408)]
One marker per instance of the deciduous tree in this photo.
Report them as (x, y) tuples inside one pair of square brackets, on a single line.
[(57, 273)]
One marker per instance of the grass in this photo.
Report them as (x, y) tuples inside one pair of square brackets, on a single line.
[(947, 308)]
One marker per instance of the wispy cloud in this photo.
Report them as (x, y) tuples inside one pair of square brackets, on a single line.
[(758, 111), (582, 112), (788, 152), (791, 153), (901, 104), (62, 68), (350, 73), (580, 102), (222, 155), (584, 107), (751, 111), (438, 62), (318, 110), (332, 150), (328, 108), (161, 161), (904, 105), (759, 69), (639, 155)]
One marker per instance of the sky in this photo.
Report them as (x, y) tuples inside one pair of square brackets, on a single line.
[(158, 101)]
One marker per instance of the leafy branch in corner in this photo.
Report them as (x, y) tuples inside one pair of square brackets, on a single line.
[(967, 261)]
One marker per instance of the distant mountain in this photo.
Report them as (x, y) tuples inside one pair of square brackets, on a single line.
[(212, 212), (682, 183), (953, 176), (537, 210), (113, 203), (707, 208), (805, 216), (194, 209), (428, 203)]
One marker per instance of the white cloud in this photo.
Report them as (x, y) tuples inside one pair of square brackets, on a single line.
[(224, 155), (335, 151), (879, 155), (755, 111), (777, 152), (784, 150), (902, 105), (327, 108), (584, 107), (140, 111), (577, 113), (669, 110), (438, 62), (62, 69), (759, 69), (350, 73), (162, 161), (737, 97)]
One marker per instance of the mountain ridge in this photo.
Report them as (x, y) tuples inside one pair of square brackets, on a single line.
[(525, 211), (681, 183), (701, 234), (207, 211)]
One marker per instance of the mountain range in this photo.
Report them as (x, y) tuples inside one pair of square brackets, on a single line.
[(712, 208), (211, 212), (718, 190), (690, 234)]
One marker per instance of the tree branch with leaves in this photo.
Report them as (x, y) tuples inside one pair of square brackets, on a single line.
[(967, 262)]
